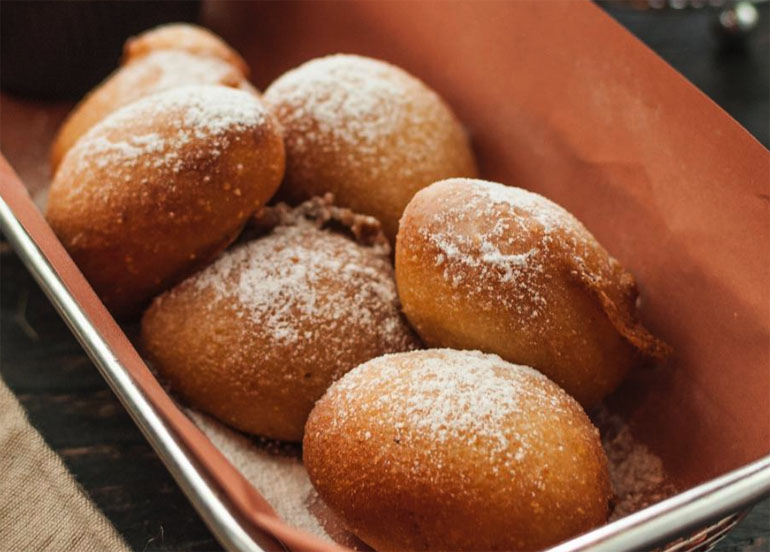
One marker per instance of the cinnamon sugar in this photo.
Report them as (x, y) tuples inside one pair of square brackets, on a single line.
[(638, 476), (322, 213)]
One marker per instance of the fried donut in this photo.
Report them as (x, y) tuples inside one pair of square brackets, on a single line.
[(158, 60), (257, 337), (183, 37), (366, 131), (484, 266), (162, 186), (456, 450)]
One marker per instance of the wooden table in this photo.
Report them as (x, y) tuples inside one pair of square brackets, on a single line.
[(72, 407)]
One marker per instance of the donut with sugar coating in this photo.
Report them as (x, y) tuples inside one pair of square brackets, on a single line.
[(185, 37), (366, 131), (456, 450), (155, 61), (484, 266), (161, 186), (257, 337)]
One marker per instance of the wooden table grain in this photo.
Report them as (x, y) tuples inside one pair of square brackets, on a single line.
[(74, 410)]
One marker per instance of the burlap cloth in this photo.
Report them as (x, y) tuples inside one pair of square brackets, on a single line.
[(41, 506)]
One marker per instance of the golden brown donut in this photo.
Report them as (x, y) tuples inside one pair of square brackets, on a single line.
[(366, 131), (456, 450), (162, 186), (161, 59), (256, 338), (484, 266), (185, 37)]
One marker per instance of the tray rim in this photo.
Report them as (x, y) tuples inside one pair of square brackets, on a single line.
[(198, 488), (656, 524)]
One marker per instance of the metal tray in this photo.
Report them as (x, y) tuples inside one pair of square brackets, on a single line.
[(703, 514), (235, 512)]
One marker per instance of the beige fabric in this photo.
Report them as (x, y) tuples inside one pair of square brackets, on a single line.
[(41, 506)]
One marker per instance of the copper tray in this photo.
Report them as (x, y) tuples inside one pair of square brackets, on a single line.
[(561, 101)]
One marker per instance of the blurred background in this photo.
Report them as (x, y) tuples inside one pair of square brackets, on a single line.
[(55, 51), (722, 47)]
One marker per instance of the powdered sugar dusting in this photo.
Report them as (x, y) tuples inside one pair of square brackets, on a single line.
[(638, 476), (169, 122), (205, 110), (441, 396), (488, 237), (301, 279), (382, 118), (162, 70), (550, 215)]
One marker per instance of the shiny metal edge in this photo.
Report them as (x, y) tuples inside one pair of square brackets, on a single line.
[(193, 482), (707, 538), (670, 518), (649, 527)]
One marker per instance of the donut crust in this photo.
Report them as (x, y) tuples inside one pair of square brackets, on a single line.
[(256, 338), (498, 269), (366, 131), (161, 187), (186, 37), (456, 450), (155, 61)]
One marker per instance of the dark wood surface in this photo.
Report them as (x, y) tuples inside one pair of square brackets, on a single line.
[(71, 406)]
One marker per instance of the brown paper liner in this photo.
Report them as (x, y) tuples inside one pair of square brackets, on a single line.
[(562, 101)]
